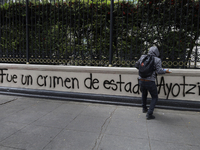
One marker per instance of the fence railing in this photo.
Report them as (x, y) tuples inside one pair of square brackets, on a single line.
[(99, 33)]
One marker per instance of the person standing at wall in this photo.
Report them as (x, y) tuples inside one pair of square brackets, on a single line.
[(147, 80)]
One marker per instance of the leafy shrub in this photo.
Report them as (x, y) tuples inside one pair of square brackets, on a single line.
[(80, 29)]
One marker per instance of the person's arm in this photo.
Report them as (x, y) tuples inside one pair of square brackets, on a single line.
[(137, 63), (159, 68)]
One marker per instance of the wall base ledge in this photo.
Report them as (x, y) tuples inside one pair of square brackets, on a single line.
[(186, 105)]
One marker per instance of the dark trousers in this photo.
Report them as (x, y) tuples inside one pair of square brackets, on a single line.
[(150, 86)]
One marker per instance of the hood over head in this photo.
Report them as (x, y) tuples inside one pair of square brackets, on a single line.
[(153, 51)]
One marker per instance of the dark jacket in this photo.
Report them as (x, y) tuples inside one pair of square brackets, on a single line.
[(157, 63)]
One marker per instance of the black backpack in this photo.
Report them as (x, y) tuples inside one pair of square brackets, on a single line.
[(146, 67)]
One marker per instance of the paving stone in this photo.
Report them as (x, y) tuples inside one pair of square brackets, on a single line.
[(73, 140), (44, 107), (196, 133), (18, 105), (112, 142), (172, 134), (6, 98), (191, 120), (4, 101), (127, 112), (9, 128), (167, 119), (31, 138), (71, 108), (5, 112), (33, 113), (13, 107), (53, 119), (24, 116), (192, 147), (98, 110), (87, 124), (8, 148), (159, 145), (127, 128)]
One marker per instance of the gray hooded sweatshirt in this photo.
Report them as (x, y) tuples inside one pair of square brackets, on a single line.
[(157, 63)]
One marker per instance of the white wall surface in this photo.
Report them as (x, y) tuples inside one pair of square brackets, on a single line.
[(180, 84)]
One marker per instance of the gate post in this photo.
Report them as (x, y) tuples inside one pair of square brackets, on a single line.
[(111, 33), (27, 33)]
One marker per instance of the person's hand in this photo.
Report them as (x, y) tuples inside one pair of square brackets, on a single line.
[(168, 71)]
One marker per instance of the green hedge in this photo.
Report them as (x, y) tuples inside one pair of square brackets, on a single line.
[(80, 30)]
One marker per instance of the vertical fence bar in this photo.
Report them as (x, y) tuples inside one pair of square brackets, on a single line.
[(27, 33), (31, 30), (39, 37), (91, 40), (13, 23), (0, 30), (50, 33), (100, 57), (126, 48), (79, 34), (121, 40), (111, 33), (180, 30), (20, 30), (58, 24), (42, 57), (106, 18), (131, 48), (70, 31), (196, 50), (4, 33), (167, 56), (47, 23), (184, 53), (117, 33), (62, 40), (83, 38), (36, 35), (142, 26), (23, 53), (66, 49), (174, 41), (6, 27), (137, 32), (74, 32), (87, 36), (104, 28), (9, 37), (54, 34), (164, 24), (96, 22), (191, 41)]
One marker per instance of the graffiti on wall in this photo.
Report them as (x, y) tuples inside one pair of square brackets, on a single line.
[(93, 83)]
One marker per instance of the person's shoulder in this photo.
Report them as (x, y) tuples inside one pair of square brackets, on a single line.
[(157, 60), (142, 56)]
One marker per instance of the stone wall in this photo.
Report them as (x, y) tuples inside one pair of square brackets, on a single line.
[(181, 84)]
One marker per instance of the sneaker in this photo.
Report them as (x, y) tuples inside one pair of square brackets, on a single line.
[(148, 117), (144, 110)]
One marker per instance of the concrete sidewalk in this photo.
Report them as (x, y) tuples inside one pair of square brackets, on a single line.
[(42, 124)]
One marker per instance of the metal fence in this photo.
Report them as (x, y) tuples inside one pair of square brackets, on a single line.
[(99, 33)]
